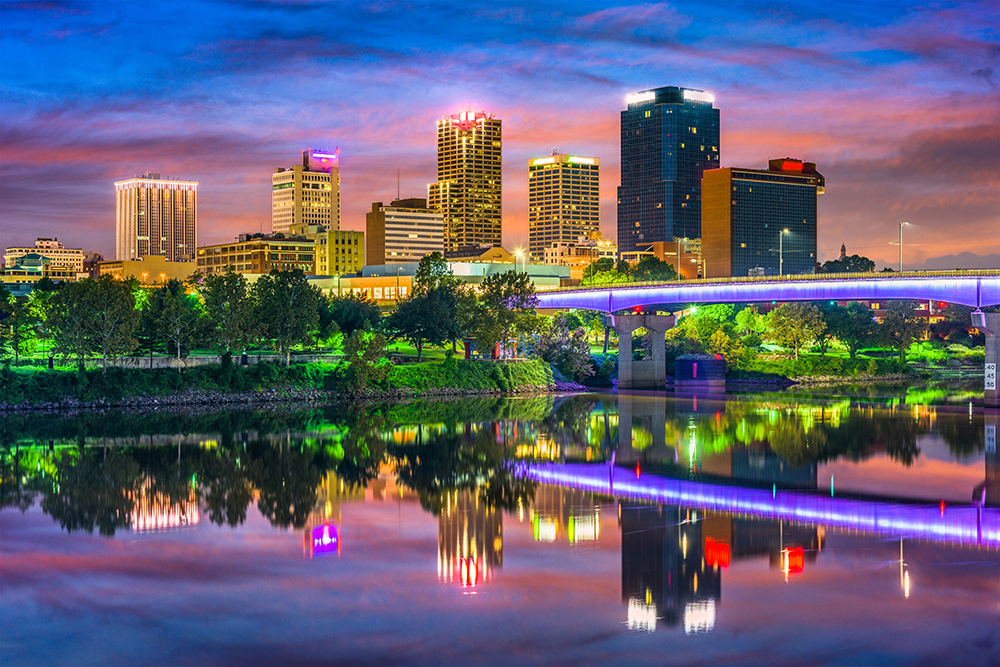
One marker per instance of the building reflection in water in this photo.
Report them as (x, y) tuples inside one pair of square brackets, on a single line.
[(565, 513), (154, 511), (673, 558), (470, 539)]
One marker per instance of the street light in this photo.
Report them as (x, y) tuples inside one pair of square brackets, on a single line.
[(781, 252), (524, 264), (397, 281), (901, 245)]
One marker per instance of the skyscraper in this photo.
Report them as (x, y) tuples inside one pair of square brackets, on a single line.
[(760, 222), (670, 136), (307, 193), (563, 201), (467, 191), (156, 216)]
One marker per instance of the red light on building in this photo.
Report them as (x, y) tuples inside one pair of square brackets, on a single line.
[(790, 165), (716, 553)]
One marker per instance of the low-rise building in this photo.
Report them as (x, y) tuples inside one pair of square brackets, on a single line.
[(488, 254), (58, 254), (338, 252), (259, 253), (581, 254), (149, 270)]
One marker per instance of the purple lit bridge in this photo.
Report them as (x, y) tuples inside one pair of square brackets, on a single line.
[(973, 525), (968, 288)]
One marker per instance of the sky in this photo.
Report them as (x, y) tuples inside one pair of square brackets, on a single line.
[(898, 104)]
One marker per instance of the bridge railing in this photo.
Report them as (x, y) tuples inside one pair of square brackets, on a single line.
[(786, 278)]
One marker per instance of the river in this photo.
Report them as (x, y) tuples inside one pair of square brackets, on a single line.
[(780, 528)]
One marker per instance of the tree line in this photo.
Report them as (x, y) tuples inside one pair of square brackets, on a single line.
[(112, 318)]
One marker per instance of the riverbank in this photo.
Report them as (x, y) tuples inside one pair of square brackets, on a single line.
[(36, 389)]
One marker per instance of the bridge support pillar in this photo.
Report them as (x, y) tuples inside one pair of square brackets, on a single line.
[(649, 373), (989, 324)]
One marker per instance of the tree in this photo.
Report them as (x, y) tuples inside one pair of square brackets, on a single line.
[(366, 362), (650, 268), (505, 309), (851, 325), (114, 318), (42, 300), (228, 308), (795, 324), (900, 327), (598, 266), (433, 272), (18, 324), (70, 320), (852, 264), (426, 318), (287, 308), (352, 312), (180, 319), (751, 321), (611, 277), (565, 348)]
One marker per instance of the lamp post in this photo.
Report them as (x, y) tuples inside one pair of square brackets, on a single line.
[(901, 245), (781, 252), (397, 281), (523, 263)]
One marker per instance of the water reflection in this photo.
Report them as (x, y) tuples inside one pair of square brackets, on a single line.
[(686, 498)]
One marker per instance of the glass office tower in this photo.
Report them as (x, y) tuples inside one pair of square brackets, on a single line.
[(670, 136)]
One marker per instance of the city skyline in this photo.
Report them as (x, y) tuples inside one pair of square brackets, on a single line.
[(899, 108)]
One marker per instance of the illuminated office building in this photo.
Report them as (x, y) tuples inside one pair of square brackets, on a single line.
[(467, 191), (307, 193), (669, 138), (156, 216), (563, 201), (404, 231), (745, 215)]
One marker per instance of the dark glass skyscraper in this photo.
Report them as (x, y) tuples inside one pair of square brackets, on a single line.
[(670, 136)]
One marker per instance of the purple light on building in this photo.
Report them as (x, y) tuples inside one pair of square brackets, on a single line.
[(325, 540)]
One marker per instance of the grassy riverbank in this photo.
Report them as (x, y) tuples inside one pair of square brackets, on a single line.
[(33, 386)]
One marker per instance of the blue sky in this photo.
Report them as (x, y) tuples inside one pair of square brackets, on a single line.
[(898, 104)]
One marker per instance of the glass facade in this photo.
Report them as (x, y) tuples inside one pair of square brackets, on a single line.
[(669, 137), (764, 204)]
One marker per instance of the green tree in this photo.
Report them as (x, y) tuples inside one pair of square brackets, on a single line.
[(353, 312), (18, 325), (565, 348), (650, 268), (426, 318), (795, 324), (229, 309), (42, 301), (287, 308), (601, 265), (433, 272), (900, 327), (180, 321), (750, 321), (852, 264), (504, 310), (70, 320), (851, 325), (366, 362)]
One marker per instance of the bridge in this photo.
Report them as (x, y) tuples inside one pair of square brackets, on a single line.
[(977, 289), (971, 525)]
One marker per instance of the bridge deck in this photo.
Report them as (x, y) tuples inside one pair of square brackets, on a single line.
[(969, 288)]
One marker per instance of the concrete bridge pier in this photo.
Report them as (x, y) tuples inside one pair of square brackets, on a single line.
[(989, 324), (648, 373)]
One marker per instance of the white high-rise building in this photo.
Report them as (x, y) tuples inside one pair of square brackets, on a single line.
[(307, 193), (156, 216)]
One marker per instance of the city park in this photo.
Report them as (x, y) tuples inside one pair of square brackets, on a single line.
[(106, 339)]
